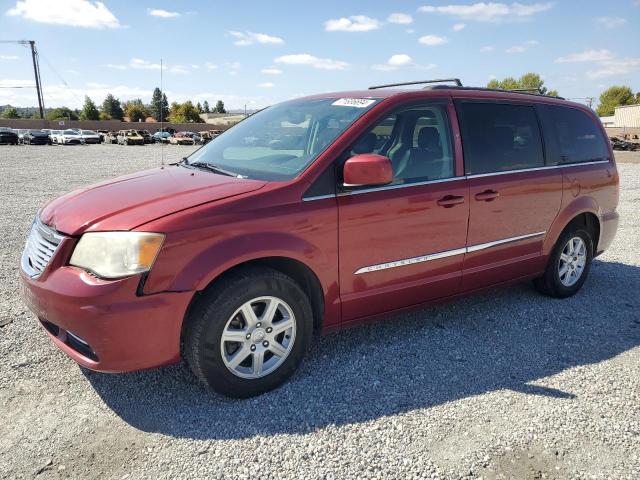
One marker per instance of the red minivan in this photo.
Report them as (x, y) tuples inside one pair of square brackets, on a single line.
[(316, 214)]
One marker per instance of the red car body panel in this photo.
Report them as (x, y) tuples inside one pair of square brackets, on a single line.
[(126, 202), (213, 223)]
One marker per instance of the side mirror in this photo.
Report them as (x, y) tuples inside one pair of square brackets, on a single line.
[(367, 169)]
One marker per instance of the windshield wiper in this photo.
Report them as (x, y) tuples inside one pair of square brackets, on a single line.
[(214, 168)]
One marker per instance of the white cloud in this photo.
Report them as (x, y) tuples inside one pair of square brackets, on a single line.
[(115, 67), (459, 26), (489, 11), (156, 12), (515, 49), (610, 68), (8, 57), (394, 62), (312, 61), (586, 56), (487, 48), (410, 31), (400, 18), (179, 70), (266, 85), (74, 13), (355, 23), (432, 40), (244, 39), (271, 71), (210, 66), (140, 64), (611, 22)]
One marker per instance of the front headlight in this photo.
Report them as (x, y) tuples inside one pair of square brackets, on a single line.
[(117, 254)]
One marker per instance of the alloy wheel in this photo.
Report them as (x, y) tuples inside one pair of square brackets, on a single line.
[(572, 261), (258, 337)]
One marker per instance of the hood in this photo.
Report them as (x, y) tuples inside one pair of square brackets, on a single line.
[(132, 200)]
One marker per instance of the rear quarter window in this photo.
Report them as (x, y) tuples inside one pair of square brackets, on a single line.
[(577, 136), (499, 137)]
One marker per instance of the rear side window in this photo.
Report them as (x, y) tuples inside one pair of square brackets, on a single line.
[(578, 137), (499, 137)]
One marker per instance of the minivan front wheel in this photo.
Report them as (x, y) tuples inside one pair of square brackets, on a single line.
[(568, 265), (248, 334)]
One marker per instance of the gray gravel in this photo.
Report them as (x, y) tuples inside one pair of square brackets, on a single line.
[(503, 385)]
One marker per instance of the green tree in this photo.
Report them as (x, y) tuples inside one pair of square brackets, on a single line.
[(89, 110), (529, 80), (62, 113), (10, 112), (614, 97), (220, 107), (159, 106), (136, 110), (112, 108), (205, 107), (184, 113), (198, 108)]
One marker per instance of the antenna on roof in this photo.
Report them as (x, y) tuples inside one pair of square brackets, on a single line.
[(161, 119), (439, 80)]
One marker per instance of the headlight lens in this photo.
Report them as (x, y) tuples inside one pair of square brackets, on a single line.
[(117, 254)]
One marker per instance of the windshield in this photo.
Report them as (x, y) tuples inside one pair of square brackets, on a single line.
[(279, 142), (70, 132), (88, 132)]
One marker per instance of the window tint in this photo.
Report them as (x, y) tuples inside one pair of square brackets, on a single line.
[(499, 137), (579, 138), (417, 140)]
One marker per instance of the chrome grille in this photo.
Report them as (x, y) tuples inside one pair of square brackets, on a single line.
[(42, 243)]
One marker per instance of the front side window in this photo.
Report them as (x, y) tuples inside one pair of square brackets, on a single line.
[(579, 138), (499, 137), (417, 140), (279, 142)]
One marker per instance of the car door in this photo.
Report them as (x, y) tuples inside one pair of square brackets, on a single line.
[(403, 243), (514, 194)]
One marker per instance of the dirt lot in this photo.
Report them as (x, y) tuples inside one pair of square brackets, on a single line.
[(504, 385)]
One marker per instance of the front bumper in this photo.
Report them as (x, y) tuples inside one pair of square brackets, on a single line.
[(104, 325)]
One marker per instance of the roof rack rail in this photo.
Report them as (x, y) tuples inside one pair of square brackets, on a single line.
[(439, 80), (535, 91)]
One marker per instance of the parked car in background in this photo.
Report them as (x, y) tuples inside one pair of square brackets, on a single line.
[(111, 137), (53, 135), (36, 137), (90, 136), (181, 138), (208, 135), (393, 199), (20, 132), (148, 138), (130, 137), (162, 137), (8, 136), (103, 134), (69, 137)]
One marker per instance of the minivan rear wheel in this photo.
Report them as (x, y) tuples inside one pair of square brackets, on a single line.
[(568, 265), (247, 334)]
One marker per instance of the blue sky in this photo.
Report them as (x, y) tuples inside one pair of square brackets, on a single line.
[(260, 52)]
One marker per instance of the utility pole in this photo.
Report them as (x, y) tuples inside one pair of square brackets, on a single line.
[(36, 71)]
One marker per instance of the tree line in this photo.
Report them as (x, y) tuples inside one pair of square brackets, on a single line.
[(135, 110)]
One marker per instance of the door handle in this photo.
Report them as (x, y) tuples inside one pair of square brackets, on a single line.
[(449, 201), (487, 196)]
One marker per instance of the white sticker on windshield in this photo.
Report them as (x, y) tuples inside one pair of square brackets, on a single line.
[(353, 102)]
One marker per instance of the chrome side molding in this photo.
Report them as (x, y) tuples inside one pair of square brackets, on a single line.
[(448, 253)]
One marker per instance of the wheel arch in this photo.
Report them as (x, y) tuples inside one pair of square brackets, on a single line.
[(297, 270), (582, 214)]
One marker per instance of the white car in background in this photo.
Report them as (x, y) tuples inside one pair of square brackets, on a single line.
[(69, 137), (90, 136), (53, 135)]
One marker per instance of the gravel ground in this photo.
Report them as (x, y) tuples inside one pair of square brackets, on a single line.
[(503, 385)]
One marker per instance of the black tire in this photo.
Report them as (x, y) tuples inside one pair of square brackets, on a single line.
[(208, 318), (549, 283)]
